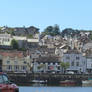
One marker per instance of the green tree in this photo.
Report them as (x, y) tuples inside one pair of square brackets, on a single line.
[(41, 66), (52, 30), (30, 36), (14, 44), (70, 32), (56, 30), (65, 65), (48, 30)]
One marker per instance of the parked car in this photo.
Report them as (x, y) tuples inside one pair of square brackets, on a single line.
[(6, 85)]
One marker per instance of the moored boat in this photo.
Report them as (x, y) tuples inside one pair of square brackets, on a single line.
[(87, 83), (38, 82), (68, 83)]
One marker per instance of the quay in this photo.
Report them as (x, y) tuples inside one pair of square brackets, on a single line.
[(26, 78)]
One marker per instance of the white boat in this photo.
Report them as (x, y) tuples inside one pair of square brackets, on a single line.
[(87, 83), (38, 82)]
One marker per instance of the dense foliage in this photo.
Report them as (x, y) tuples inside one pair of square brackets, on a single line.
[(14, 44), (70, 32), (52, 30)]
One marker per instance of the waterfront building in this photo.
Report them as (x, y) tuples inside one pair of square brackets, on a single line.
[(77, 62), (46, 65), (14, 61)]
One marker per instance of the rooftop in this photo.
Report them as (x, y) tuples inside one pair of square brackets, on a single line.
[(12, 54)]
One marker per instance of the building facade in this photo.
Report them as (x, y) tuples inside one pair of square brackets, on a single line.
[(89, 64), (14, 61), (77, 62), (46, 65)]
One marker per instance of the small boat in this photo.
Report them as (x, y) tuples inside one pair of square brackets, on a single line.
[(68, 83), (87, 83), (38, 82)]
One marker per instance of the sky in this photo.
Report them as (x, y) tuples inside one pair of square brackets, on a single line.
[(75, 14)]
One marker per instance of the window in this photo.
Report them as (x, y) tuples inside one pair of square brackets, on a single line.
[(24, 62), (43, 62), (67, 57), (15, 62), (23, 68), (77, 58), (48, 63), (8, 62), (53, 63), (84, 62), (38, 62), (9, 68), (72, 64), (58, 68), (77, 63), (16, 68)]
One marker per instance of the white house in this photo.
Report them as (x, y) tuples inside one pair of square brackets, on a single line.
[(76, 61), (46, 64), (5, 39)]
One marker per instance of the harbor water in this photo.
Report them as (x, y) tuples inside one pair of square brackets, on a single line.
[(54, 89)]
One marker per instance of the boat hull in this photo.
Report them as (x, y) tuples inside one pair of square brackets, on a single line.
[(68, 83)]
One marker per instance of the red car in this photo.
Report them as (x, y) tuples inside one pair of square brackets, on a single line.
[(6, 85)]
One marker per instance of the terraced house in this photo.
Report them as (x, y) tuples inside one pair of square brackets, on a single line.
[(77, 62), (14, 61), (46, 65)]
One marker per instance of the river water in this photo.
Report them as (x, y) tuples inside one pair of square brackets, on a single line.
[(55, 89)]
